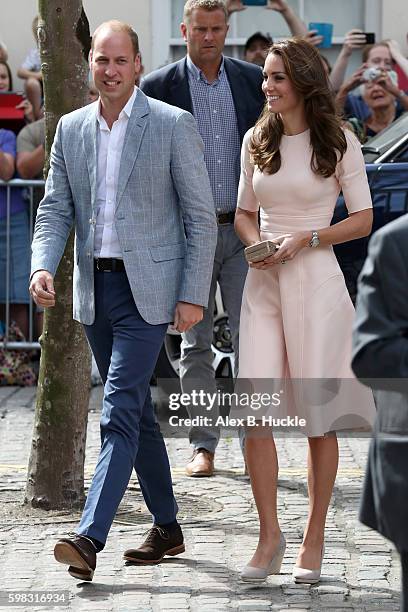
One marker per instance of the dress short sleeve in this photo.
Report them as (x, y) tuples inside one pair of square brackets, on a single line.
[(352, 177), (246, 195)]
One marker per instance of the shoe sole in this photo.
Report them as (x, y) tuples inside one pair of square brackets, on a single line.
[(68, 555), (177, 550), (300, 581), (80, 574), (254, 580), (274, 572)]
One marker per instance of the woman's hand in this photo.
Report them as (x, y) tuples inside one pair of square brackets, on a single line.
[(354, 39), (387, 83), (289, 247), (234, 5), (313, 37), (27, 107), (395, 49), (355, 80), (277, 5)]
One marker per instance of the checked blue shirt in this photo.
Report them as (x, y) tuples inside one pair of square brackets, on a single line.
[(214, 111)]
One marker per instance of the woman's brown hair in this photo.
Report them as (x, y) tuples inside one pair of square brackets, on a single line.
[(306, 71), (10, 76)]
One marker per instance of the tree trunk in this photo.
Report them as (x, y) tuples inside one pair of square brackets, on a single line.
[(55, 477)]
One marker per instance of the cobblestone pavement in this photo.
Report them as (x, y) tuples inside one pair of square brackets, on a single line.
[(360, 570)]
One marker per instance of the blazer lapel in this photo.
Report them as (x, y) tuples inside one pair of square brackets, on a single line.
[(238, 85), (133, 138), (179, 90), (90, 145)]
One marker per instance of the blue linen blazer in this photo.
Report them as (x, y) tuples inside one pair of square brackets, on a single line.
[(164, 216)]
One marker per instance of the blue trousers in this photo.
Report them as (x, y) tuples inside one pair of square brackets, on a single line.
[(125, 347)]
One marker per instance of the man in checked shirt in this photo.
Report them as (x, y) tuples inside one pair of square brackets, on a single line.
[(225, 97)]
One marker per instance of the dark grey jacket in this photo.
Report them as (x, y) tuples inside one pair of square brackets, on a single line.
[(380, 359)]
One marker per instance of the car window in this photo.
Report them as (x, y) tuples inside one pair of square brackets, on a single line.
[(402, 155), (380, 144)]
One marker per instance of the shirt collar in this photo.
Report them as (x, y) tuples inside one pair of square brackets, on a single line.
[(126, 110), (197, 73)]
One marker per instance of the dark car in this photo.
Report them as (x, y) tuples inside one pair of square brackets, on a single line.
[(386, 157)]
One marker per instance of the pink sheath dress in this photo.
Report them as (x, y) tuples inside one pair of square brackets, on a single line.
[(296, 319)]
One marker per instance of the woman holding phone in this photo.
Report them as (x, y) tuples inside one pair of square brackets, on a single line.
[(296, 316), (6, 86)]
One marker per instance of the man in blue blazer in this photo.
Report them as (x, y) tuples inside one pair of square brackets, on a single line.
[(225, 97), (128, 172)]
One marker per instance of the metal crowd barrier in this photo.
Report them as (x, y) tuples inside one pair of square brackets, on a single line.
[(29, 187)]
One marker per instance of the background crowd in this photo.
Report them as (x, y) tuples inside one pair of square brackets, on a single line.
[(300, 114), (370, 99)]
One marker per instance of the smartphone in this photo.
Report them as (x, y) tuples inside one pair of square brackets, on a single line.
[(255, 2), (260, 251), (370, 38)]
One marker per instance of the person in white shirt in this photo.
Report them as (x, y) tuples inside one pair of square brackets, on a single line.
[(129, 172)]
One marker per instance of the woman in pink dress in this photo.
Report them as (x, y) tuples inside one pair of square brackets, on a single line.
[(296, 318)]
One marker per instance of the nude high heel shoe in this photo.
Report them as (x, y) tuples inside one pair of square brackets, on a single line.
[(302, 575), (260, 574)]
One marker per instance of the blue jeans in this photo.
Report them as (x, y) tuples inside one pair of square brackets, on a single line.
[(125, 347)]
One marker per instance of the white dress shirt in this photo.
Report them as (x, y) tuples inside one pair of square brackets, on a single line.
[(110, 145)]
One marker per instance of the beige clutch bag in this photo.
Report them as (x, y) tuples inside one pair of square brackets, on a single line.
[(259, 251)]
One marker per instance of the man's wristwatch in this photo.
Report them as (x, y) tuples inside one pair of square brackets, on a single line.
[(314, 242)]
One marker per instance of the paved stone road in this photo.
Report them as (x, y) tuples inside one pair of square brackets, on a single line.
[(360, 571)]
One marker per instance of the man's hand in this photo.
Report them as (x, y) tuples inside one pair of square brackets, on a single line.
[(42, 289), (277, 5), (186, 316), (234, 5)]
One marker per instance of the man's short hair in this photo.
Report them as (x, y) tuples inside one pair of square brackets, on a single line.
[(265, 38), (207, 5), (118, 26)]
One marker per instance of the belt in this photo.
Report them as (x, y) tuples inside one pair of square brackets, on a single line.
[(225, 218), (109, 265)]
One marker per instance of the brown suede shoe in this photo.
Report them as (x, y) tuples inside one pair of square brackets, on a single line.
[(79, 553), (201, 463), (159, 542)]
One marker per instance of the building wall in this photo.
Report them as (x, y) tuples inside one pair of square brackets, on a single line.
[(15, 27), (395, 21), (17, 15)]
